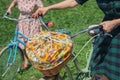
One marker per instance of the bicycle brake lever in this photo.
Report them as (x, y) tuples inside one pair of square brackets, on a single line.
[(102, 31), (107, 34)]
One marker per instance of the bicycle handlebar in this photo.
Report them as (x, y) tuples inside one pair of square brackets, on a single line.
[(14, 19), (88, 29), (17, 20)]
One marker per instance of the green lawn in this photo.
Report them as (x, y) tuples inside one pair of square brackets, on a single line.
[(73, 20)]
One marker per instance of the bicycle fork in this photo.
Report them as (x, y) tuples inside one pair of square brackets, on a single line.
[(11, 59)]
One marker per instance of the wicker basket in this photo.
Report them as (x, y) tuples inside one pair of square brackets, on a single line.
[(56, 69), (56, 56)]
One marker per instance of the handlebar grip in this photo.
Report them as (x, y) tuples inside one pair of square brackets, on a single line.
[(94, 27), (6, 14)]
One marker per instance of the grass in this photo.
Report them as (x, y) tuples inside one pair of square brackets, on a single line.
[(73, 20)]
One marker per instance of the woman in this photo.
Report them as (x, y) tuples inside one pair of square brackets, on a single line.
[(27, 27), (105, 63)]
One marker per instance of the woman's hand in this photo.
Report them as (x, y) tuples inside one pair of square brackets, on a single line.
[(41, 12), (108, 26), (9, 11)]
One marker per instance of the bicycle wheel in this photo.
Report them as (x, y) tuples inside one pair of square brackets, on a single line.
[(83, 76), (65, 74), (8, 70), (70, 70)]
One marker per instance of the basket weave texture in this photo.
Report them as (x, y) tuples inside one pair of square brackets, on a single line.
[(49, 52)]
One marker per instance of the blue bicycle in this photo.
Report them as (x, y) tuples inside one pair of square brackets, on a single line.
[(12, 56)]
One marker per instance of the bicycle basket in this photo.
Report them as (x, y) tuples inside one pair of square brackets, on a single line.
[(49, 51)]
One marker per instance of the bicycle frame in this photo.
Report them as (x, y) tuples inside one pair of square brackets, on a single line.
[(85, 70), (16, 43)]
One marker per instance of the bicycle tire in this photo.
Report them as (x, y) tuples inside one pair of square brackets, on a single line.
[(8, 72), (83, 76), (68, 73), (65, 74)]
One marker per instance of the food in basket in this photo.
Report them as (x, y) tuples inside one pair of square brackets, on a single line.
[(48, 49)]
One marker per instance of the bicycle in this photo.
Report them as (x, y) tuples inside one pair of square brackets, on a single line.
[(11, 56), (83, 73)]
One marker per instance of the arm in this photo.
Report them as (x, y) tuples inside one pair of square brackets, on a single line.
[(63, 5), (59, 6), (12, 5), (110, 25)]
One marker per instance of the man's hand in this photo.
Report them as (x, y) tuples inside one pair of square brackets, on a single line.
[(108, 26), (40, 11)]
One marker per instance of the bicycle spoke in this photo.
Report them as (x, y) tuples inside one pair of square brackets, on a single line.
[(7, 67)]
